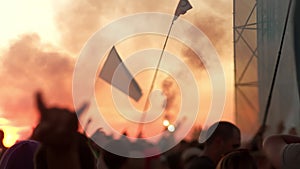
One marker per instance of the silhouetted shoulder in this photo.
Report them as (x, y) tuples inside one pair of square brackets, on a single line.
[(202, 162), (291, 156)]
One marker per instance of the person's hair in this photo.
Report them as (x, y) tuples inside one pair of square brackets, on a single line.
[(222, 129), (238, 159), (86, 157), (112, 160)]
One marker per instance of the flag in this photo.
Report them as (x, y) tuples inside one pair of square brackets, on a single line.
[(115, 73), (182, 7)]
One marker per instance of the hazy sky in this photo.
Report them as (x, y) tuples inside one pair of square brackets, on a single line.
[(41, 39)]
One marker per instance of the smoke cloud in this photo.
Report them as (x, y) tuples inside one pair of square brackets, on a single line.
[(170, 90), (78, 20), (29, 64)]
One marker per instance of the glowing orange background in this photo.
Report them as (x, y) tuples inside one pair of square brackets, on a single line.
[(41, 39)]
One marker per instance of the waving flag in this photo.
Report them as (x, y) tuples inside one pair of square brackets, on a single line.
[(182, 7), (116, 73)]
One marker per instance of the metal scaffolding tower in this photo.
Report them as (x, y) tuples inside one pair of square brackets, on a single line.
[(246, 68)]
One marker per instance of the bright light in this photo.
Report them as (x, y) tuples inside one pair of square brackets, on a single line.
[(37, 16), (166, 123), (10, 135), (171, 128)]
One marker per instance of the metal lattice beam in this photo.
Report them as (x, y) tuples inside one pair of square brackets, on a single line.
[(245, 63)]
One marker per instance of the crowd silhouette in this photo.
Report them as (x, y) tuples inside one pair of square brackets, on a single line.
[(56, 143)]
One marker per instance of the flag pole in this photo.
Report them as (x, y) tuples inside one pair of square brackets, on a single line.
[(141, 124), (266, 113), (256, 141)]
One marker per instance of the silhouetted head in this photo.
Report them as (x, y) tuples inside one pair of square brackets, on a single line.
[(224, 135), (114, 161), (238, 159), (20, 155), (57, 126)]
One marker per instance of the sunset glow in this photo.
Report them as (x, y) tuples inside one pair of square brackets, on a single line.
[(41, 40), (11, 135), (30, 16)]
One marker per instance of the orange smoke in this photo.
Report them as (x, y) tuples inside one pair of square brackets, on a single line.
[(78, 20), (29, 64)]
